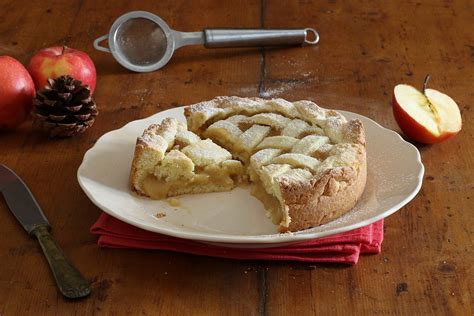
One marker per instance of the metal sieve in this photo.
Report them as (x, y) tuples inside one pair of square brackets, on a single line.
[(142, 42)]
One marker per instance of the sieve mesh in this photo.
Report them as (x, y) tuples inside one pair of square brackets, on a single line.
[(141, 42)]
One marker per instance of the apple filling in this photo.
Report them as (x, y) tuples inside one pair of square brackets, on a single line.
[(209, 179), (270, 202)]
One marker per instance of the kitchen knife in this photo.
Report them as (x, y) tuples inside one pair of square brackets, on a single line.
[(23, 205)]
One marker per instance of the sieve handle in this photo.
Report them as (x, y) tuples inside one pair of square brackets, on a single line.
[(97, 43), (215, 38)]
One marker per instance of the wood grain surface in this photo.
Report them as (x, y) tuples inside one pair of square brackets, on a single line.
[(366, 49)]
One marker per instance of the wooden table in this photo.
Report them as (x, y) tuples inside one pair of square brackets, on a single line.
[(365, 50)]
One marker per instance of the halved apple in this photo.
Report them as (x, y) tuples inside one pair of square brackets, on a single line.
[(427, 117)]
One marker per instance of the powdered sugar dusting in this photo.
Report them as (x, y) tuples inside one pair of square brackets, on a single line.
[(269, 93), (280, 86)]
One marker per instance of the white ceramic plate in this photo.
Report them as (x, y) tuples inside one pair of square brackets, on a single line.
[(237, 219)]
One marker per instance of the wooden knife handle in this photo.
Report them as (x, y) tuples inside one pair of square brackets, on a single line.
[(70, 281)]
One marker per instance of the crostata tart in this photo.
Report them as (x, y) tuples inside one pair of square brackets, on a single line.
[(306, 164)]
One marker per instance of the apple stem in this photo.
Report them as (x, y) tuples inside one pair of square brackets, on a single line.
[(64, 49), (425, 83)]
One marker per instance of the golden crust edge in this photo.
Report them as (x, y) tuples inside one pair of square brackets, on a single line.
[(134, 181), (141, 147), (312, 203)]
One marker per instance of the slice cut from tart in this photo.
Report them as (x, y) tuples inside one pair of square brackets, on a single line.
[(170, 160), (306, 164)]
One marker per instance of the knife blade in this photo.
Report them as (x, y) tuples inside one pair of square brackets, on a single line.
[(20, 200), (27, 211)]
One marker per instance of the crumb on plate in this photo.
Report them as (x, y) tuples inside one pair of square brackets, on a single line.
[(174, 202)]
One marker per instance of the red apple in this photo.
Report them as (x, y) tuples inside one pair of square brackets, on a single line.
[(17, 91), (427, 116), (57, 61)]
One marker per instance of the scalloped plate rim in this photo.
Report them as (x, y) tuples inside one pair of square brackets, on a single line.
[(244, 241)]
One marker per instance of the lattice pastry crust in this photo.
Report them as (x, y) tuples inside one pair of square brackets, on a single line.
[(305, 163)]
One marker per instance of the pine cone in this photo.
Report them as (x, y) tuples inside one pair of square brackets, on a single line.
[(64, 107)]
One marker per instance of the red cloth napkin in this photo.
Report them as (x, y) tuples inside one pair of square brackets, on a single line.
[(341, 248)]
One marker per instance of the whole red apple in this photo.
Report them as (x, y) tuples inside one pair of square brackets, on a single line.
[(57, 61), (17, 91), (427, 116)]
